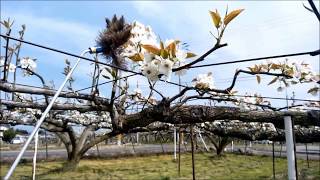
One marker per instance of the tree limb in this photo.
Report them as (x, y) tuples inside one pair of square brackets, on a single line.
[(9, 87), (33, 105)]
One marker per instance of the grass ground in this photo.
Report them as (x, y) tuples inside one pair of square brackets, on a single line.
[(208, 166)]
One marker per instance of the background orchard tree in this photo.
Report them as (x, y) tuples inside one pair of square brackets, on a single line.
[(9, 135)]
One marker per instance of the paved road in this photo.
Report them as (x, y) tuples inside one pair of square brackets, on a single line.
[(127, 150), (105, 151)]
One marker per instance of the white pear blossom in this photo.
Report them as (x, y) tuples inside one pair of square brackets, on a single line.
[(165, 68), (155, 62), (152, 100), (148, 57), (137, 91), (152, 66), (1, 62), (137, 94), (303, 71), (181, 55), (12, 67), (151, 71), (247, 103), (250, 100), (130, 50), (28, 63), (204, 81), (142, 34), (157, 68)]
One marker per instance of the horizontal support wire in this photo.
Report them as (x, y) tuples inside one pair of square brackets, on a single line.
[(311, 53), (69, 54)]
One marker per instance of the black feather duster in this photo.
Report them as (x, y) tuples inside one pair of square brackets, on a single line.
[(116, 34)]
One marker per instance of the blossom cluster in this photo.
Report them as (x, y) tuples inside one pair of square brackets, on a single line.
[(303, 72), (203, 81), (235, 125), (138, 97), (156, 59), (251, 102), (11, 67), (154, 67), (28, 63), (89, 118), (25, 63), (296, 72)]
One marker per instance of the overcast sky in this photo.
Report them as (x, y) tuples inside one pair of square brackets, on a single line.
[(265, 28)]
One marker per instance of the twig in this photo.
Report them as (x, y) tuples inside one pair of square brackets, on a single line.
[(201, 58), (6, 56)]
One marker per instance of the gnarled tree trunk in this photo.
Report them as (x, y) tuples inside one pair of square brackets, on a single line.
[(74, 146), (219, 143)]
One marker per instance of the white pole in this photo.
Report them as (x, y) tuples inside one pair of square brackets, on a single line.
[(119, 93), (175, 142), (178, 137), (203, 141), (137, 138), (119, 136), (232, 146), (289, 147), (43, 116), (35, 155)]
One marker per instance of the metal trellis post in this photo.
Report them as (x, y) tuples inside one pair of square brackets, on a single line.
[(175, 142), (289, 148)]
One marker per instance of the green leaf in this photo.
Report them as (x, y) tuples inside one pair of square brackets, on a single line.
[(137, 57), (6, 24), (108, 69), (113, 73), (152, 49), (190, 55), (273, 80), (216, 19), (280, 89), (251, 69), (107, 77), (231, 16), (314, 90), (258, 79), (67, 61), (164, 53), (161, 45)]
